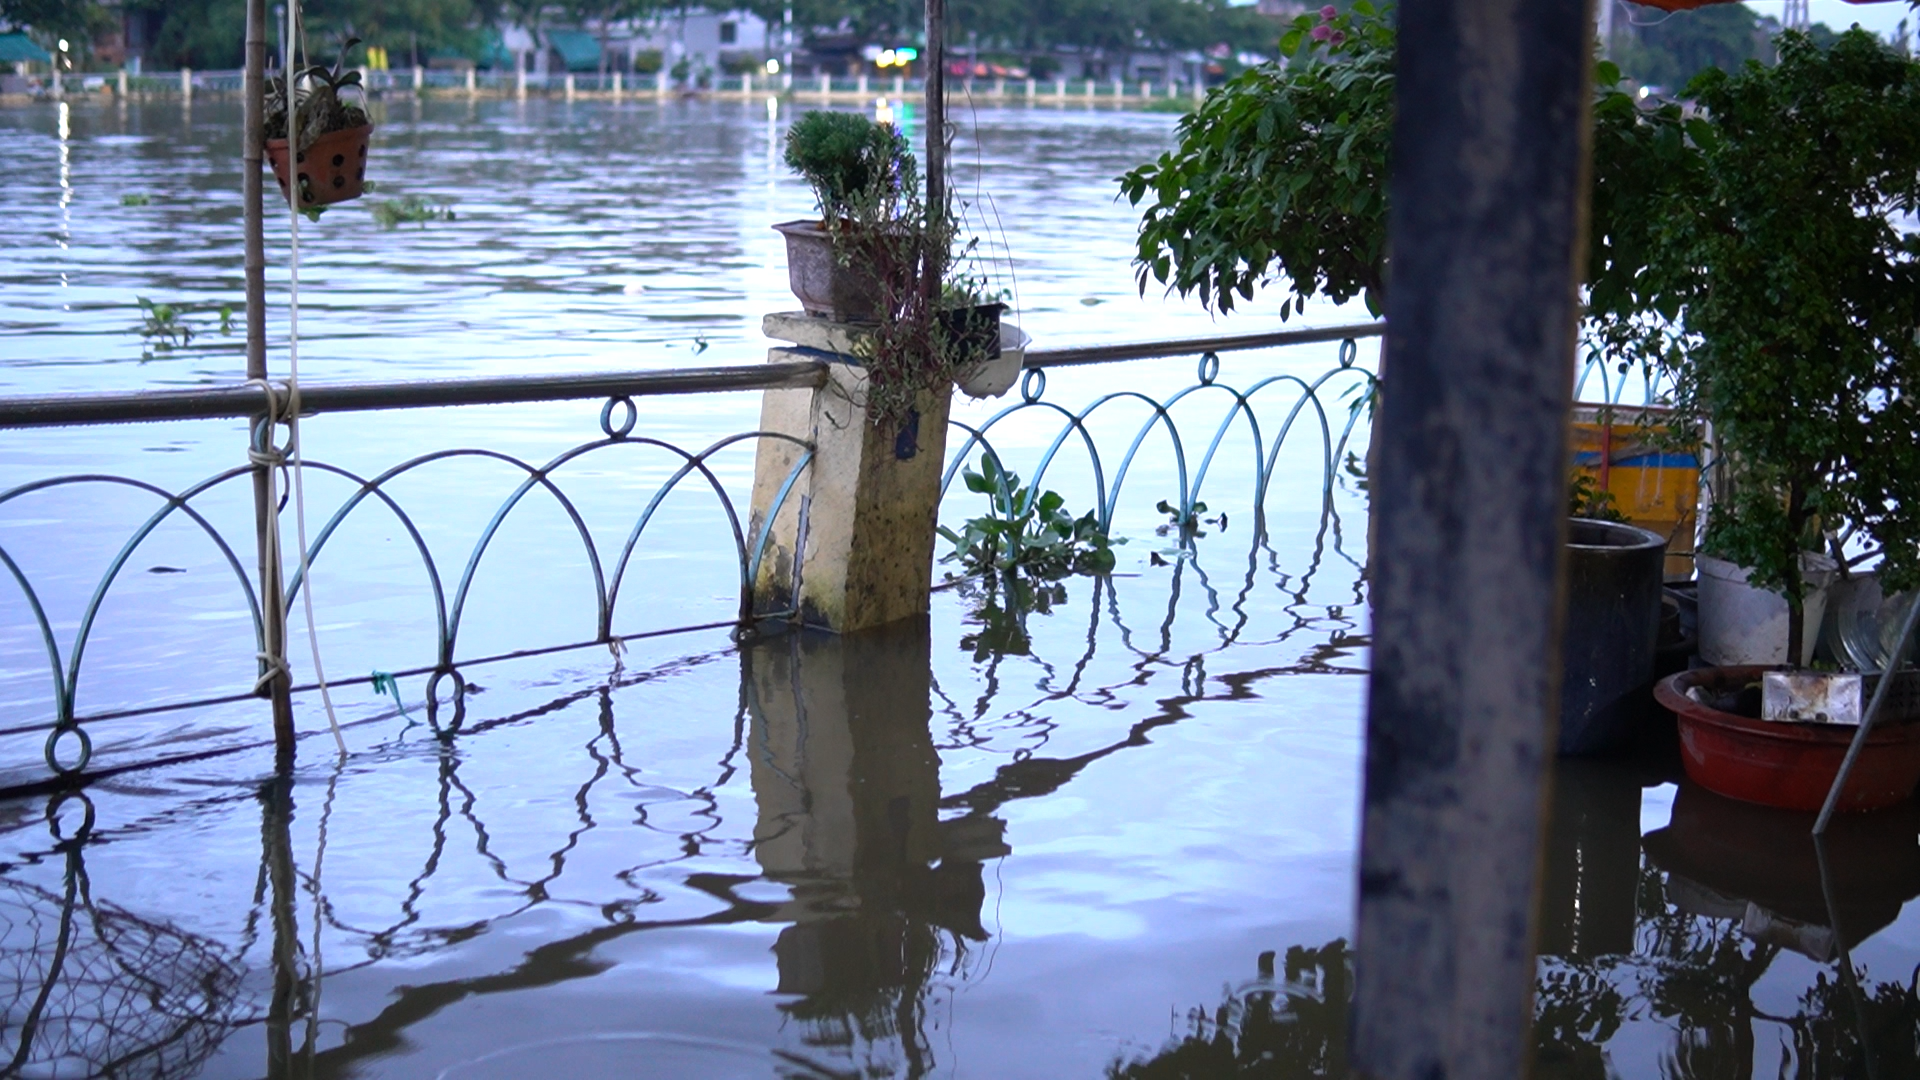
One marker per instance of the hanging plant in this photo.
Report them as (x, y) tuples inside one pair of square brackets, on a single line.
[(331, 157)]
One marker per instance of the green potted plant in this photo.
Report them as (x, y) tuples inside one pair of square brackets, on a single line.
[(862, 176), (1793, 299), (330, 159), (879, 257)]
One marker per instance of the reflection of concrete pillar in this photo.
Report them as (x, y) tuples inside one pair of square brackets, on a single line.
[(848, 787), (852, 546), (1592, 863)]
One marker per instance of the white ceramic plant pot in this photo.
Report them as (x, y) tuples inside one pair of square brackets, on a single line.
[(1740, 624), (992, 378)]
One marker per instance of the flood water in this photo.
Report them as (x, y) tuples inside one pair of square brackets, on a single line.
[(1111, 837)]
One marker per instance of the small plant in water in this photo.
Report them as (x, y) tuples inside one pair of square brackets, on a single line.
[(134, 200), (164, 327), (1026, 532), (409, 210)]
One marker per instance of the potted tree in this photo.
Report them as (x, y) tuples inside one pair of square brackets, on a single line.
[(1281, 175), (330, 160), (1794, 300), (881, 258)]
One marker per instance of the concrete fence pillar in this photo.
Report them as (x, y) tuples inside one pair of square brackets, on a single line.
[(826, 86), (862, 85), (419, 78), (1119, 89), (999, 88), (1060, 89), (746, 84), (519, 82), (120, 85), (568, 83), (899, 86), (473, 87), (186, 83), (1199, 91), (786, 81), (1031, 87), (1146, 88), (1092, 87), (851, 546), (660, 82)]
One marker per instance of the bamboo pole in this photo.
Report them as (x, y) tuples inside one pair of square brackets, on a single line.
[(936, 128), (273, 611)]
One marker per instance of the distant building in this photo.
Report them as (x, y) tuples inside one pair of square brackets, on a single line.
[(1282, 9), (706, 41)]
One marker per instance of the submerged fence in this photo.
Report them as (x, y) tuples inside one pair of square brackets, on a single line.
[(1267, 410)]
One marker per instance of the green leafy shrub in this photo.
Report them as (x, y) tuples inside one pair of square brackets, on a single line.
[(1026, 533), (850, 162)]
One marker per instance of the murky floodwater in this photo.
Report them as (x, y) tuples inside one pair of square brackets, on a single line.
[(1115, 837)]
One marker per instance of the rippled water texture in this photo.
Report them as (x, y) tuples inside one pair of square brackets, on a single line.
[(1114, 836)]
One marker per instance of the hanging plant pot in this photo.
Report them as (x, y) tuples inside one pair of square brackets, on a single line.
[(332, 170), (994, 376)]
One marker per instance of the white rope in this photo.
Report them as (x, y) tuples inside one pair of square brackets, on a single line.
[(293, 367)]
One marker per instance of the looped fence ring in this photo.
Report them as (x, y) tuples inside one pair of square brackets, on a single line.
[(629, 418), (459, 700), (59, 800), (1209, 368), (1033, 383), (1349, 351), (53, 749)]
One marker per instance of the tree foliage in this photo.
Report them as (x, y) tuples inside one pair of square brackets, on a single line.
[(1669, 49), (1283, 167), (1797, 296)]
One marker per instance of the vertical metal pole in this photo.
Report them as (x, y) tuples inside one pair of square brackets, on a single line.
[(273, 610), (936, 126), (1491, 141)]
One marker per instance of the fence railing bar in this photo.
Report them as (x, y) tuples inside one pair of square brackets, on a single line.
[(241, 400), (1148, 350)]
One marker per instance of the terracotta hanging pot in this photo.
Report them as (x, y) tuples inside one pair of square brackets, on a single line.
[(333, 169)]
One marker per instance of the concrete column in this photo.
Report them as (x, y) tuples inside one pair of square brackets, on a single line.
[(519, 81), (1199, 91), (999, 88), (120, 85), (419, 78), (473, 87), (1119, 90), (851, 548), (1146, 88), (186, 83), (660, 82), (826, 86), (568, 83), (1091, 87), (746, 84), (861, 86), (1031, 87), (1490, 153), (786, 81), (899, 86)]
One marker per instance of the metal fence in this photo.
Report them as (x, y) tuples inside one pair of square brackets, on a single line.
[(68, 745)]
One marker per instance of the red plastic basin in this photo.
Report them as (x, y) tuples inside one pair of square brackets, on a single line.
[(1786, 765)]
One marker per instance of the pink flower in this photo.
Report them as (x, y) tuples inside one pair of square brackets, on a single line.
[(1322, 32), (1339, 38), (1327, 13)]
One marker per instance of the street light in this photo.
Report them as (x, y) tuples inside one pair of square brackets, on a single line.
[(773, 66)]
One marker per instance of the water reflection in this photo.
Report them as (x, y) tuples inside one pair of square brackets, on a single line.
[(1659, 942), (89, 988), (886, 906)]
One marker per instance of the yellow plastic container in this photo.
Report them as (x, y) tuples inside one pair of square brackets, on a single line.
[(1657, 489)]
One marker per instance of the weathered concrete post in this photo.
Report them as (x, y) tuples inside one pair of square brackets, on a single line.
[(851, 547), (1490, 152), (567, 83), (520, 82), (419, 78), (120, 86), (186, 84), (473, 88)]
